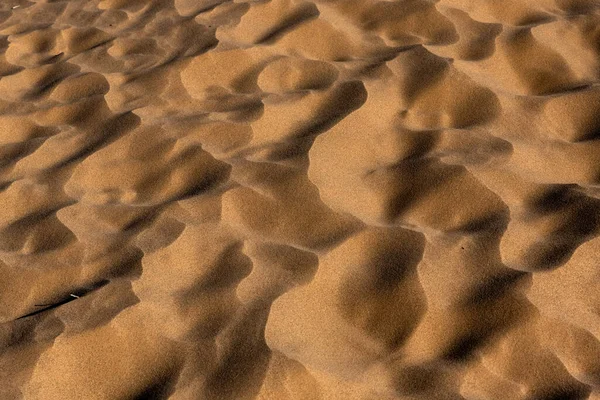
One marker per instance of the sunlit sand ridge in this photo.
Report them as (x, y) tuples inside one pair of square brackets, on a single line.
[(299, 200)]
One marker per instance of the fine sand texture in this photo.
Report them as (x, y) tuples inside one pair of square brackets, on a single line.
[(299, 199)]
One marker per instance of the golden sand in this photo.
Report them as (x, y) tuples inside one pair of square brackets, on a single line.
[(299, 200)]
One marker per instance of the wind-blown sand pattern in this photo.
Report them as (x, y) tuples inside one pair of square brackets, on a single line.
[(299, 200)]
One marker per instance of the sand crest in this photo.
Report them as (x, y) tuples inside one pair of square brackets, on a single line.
[(299, 199)]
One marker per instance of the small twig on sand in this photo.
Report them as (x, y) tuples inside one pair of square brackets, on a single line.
[(48, 305)]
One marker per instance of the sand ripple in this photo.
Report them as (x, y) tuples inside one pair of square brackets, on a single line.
[(290, 199)]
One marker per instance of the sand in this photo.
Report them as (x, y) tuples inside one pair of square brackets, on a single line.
[(299, 199)]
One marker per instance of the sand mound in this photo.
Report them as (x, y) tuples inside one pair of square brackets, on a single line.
[(299, 200)]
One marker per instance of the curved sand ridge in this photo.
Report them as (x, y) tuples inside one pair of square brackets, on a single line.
[(299, 200)]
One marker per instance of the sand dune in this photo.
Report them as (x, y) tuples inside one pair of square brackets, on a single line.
[(299, 200)]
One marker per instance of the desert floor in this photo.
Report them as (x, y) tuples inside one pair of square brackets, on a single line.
[(299, 200)]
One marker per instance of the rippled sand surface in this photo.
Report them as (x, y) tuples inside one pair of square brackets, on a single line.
[(299, 200)]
